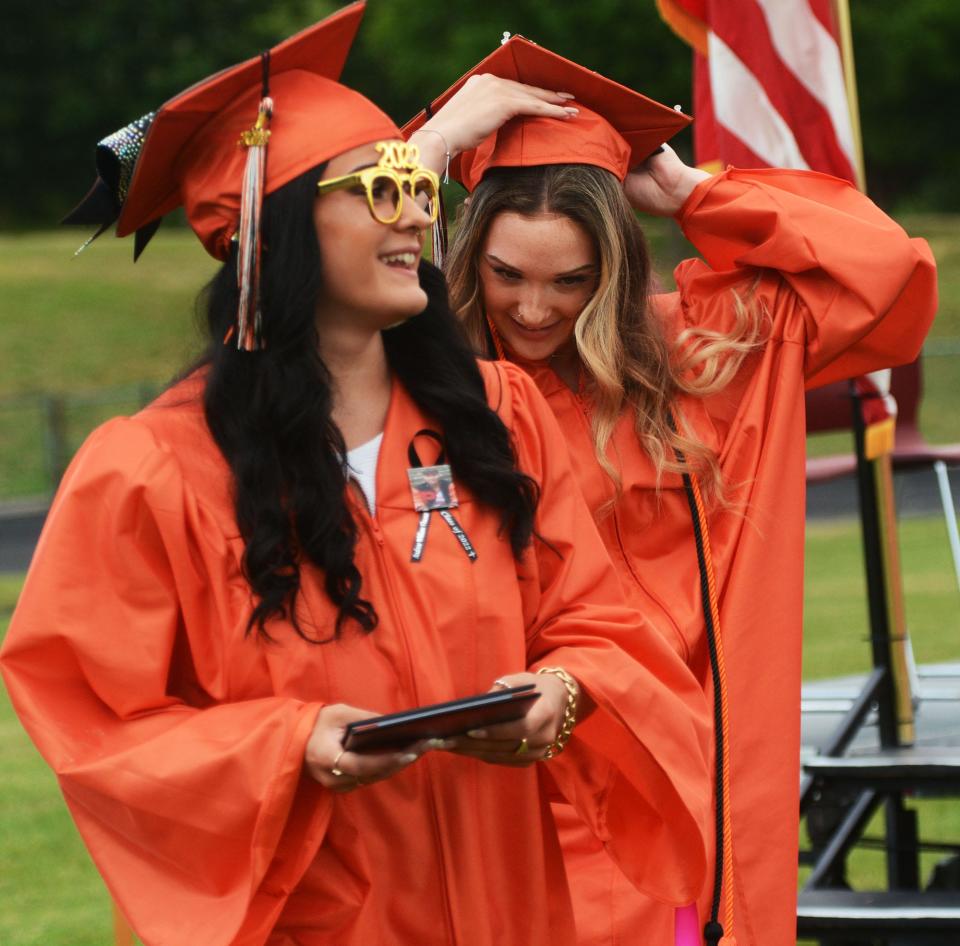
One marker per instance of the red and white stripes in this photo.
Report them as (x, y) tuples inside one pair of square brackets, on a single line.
[(769, 83)]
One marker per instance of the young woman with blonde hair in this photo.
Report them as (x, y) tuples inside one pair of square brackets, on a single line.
[(683, 412), (616, 342)]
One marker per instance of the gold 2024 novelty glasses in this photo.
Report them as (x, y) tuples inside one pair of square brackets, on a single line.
[(398, 168)]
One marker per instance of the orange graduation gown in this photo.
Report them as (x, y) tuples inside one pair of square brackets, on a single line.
[(847, 292), (178, 741)]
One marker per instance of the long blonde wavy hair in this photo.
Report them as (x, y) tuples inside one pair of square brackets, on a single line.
[(628, 358)]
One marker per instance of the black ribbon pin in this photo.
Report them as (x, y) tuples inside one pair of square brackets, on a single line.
[(432, 488)]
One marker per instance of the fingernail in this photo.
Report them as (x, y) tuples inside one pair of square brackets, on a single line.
[(566, 95), (408, 757), (570, 110), (477, 734), (436, 743)]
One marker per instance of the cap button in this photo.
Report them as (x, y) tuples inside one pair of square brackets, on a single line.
[(506, 37)]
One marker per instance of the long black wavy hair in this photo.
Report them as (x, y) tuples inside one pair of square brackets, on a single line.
[(270, 414)]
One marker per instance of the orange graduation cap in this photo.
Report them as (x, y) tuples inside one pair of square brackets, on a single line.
[(219, 147), (616, 129)]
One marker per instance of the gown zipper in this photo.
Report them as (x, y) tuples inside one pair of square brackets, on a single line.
[(373, 527)]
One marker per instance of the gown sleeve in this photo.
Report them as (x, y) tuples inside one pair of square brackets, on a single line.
[(636, 768), (114, 663), (836, 274)]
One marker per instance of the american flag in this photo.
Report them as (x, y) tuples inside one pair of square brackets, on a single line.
[(769, 83)]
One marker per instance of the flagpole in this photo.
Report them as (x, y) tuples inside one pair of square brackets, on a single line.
[(841, 10), (888, 623)]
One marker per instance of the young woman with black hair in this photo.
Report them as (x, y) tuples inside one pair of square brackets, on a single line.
[(232, 576)]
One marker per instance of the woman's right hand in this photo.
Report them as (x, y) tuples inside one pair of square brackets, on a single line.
[(662, 184), (325, 752), (478, 108)]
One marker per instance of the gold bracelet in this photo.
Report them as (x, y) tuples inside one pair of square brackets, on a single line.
[(569, 711)]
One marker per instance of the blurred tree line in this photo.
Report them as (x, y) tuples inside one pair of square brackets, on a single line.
[(76, 70)]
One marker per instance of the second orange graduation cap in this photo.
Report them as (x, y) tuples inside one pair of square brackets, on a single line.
[(616, 129)]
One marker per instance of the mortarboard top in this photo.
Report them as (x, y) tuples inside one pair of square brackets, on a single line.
[(190, 153), (616, 129)]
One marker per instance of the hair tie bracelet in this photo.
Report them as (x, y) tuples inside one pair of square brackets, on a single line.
[(446, 149)]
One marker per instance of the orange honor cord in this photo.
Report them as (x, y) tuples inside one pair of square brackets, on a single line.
[(714, 933), (496, 340), (718, 667)]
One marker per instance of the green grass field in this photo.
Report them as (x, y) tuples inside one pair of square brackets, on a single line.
[(97, 328), (53, 894)]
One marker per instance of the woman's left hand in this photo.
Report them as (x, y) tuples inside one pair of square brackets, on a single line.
[(478, 108), (523, 741), (662, 184)]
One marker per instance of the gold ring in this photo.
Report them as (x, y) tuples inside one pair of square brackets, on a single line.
[(522, 748), (333, 769)]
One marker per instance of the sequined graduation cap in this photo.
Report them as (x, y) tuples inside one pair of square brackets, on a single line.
[(616, 129), (222, 145)]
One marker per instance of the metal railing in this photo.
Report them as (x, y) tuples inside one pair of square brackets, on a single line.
[(40, 432)]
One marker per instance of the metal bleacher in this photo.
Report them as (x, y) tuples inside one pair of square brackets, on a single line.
[(872, 742)]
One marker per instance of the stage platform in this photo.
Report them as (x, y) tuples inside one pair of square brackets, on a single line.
[(824, 702), (841, 792)]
